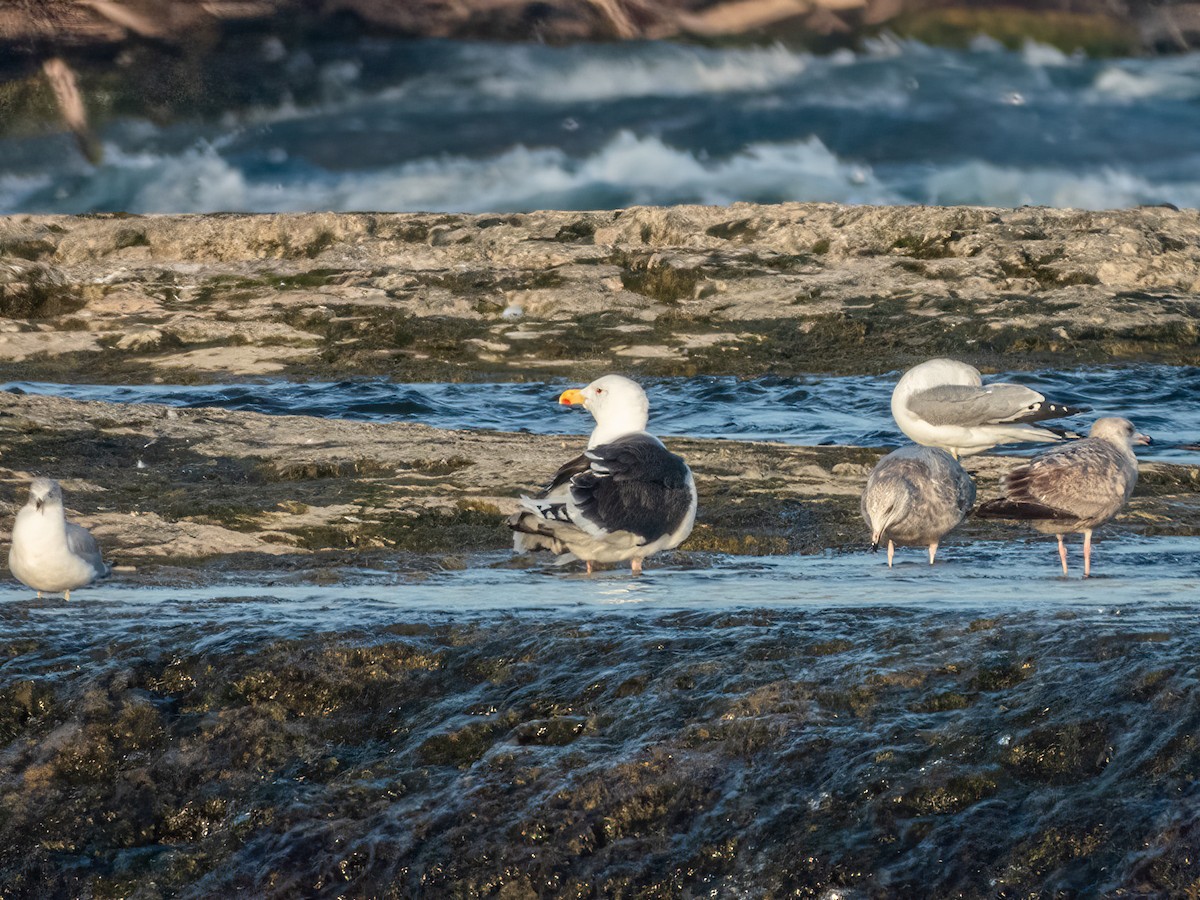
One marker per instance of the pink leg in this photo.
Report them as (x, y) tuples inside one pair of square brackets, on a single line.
[(891, 553), (67, 596), (932, 552), (1087, 553), (1062, 553), (635, 566), (589, 566)]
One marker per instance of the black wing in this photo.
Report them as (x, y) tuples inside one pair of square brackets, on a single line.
[(633, 484), (566, 472)]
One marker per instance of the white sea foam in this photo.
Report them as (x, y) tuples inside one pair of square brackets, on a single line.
[(899, 104), (977, 183), (571, 75), (17, 189), (629, 169), (1040, 55), (1176, 79)]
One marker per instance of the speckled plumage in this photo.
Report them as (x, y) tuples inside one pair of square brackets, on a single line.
[(1074, 488), (915, 496)]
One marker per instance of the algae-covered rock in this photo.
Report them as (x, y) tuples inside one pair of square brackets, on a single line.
[(589, 754), (743, 290), (246, 491)]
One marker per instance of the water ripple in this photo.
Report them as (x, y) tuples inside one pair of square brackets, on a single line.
[(807, 410)]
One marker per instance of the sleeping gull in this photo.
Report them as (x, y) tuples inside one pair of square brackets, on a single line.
[(48, 552), (1073, 488), (915, 496), (625, 498), (944, 403)]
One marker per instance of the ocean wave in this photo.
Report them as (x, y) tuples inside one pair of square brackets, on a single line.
[(572, 75), (1171, 79), (15, 189), (628, 170), (983, 184)]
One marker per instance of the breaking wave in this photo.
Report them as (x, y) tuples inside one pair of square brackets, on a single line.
[(480, 128)]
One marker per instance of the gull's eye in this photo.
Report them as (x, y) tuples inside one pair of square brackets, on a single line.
[(599, 391)]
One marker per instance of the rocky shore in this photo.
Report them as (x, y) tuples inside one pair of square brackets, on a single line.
[(193, 495), (743, 290), (95, 24), (1095, 25), (740, 290)]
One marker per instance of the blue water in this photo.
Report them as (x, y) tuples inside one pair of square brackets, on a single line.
[(977, 576), (809, 410), (460, 126)]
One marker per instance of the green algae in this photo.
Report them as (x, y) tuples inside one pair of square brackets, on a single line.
[(957, 794), (39, 295), (1095, 34), (1002, 675), (463, 746), (1062, 754), (943, 702), (499, 754)]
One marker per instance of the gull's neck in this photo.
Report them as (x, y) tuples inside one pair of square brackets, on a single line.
[(1125, 447), (607, 432), (50, 520)]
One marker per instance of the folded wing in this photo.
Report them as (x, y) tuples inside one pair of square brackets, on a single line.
[(633, 484), (993, 404), (81, 543), (1087, 481)]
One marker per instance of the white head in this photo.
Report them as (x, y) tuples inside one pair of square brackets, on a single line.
[(1118, 431), (935, 373), (618, 405), (44, 493)]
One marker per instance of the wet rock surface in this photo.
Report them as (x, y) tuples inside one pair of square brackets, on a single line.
[(164, 487), (737, 290), (874, 751)]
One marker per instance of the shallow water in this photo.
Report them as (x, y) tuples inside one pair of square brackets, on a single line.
[(970, 576), (466, 127), (854, 411), (811, 725)]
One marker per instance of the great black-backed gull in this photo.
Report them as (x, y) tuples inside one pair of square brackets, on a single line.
[(624, 498)]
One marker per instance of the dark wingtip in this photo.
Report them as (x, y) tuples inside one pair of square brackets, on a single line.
[(1005, 508), (1061, 410)]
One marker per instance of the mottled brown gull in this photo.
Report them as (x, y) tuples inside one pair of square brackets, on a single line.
[(944, 403), (1075, 488), (914, 497), (623, 499), (48, 552)]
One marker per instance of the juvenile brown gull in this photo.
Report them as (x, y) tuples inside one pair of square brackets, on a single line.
[(1075, 488)]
